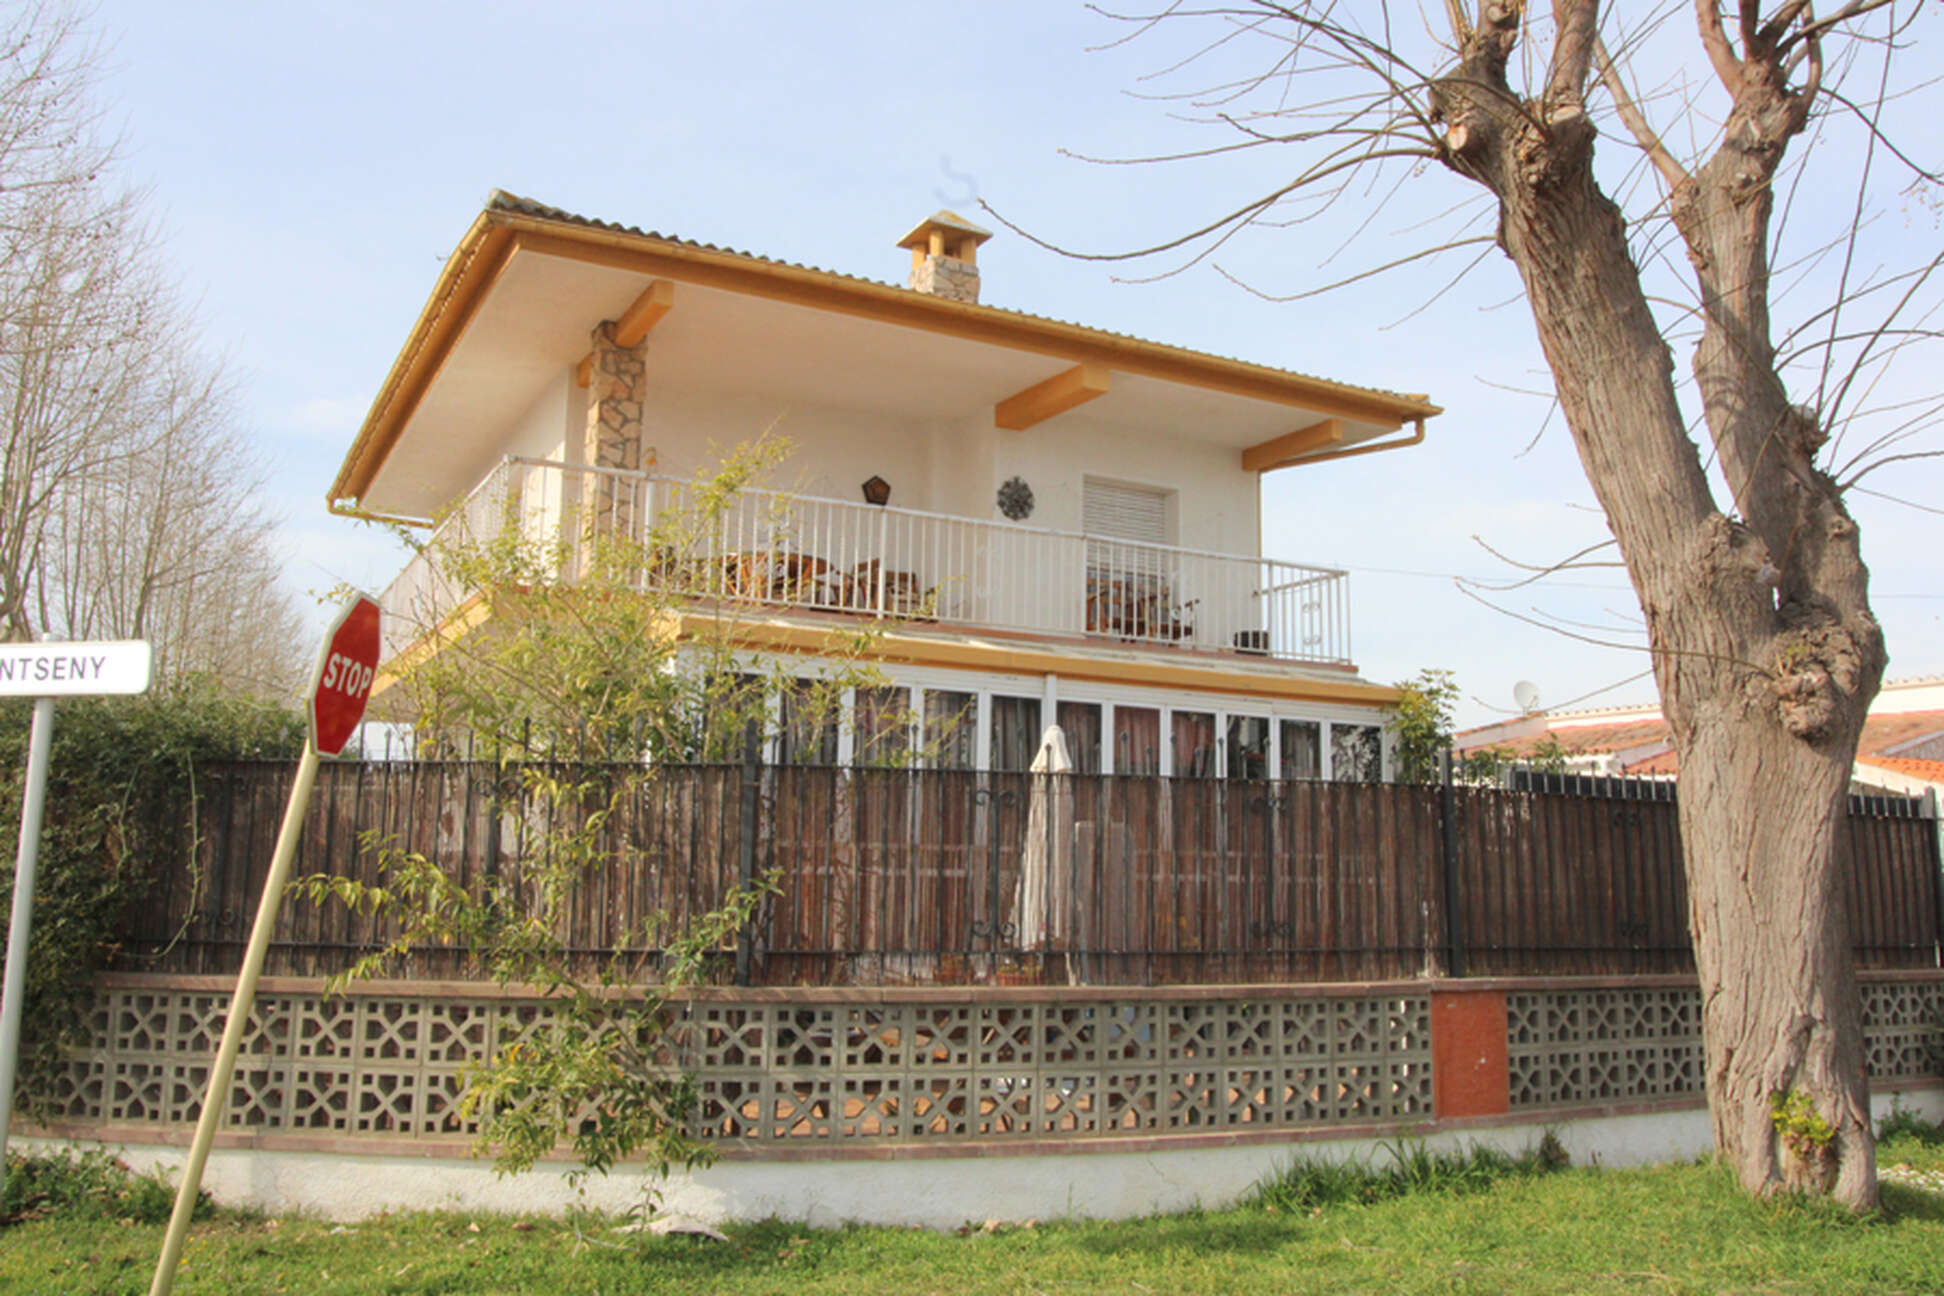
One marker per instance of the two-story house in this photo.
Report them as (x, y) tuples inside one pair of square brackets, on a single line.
[(1074, 513)]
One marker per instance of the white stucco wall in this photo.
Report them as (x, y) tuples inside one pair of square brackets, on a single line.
[(545, 429), (941, 467), (1216, 502), (936, 1192)]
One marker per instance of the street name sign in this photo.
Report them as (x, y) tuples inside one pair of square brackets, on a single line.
[(74, 669)]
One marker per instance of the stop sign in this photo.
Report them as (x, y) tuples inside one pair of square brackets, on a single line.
[(345, 669)]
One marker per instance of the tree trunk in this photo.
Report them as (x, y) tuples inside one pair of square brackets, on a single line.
[(1781, 1013), (1763, 645)]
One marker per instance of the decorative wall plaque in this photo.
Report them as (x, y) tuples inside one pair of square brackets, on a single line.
[(1016, 499)]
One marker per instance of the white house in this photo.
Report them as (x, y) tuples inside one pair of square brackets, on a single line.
[(1075, 512)]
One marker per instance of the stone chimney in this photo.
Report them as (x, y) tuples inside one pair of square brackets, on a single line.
[(944, 256)]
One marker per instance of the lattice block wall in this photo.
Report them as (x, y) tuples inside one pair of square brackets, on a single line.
[(914, 1072), (1901, 1028), (1575, 1047), (382, 1067), (790, 1072)]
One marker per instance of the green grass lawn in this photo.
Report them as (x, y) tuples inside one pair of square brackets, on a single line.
[(1672, 1229)]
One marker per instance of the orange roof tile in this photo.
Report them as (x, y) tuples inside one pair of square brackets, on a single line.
[(1880, 732), (1886, 731), (1929, 770), (1583, 739)]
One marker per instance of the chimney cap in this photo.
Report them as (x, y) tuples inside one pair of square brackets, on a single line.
[(945, 222)]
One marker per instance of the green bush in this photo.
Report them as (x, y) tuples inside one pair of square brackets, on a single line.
[(88, 1184), (122, 785), (1902, 1124)]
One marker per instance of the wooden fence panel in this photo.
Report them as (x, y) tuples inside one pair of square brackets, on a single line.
[(888, 876)]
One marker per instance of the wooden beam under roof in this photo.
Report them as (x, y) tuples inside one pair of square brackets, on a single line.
[(634, 324), (1058, 394), (1292, 447)]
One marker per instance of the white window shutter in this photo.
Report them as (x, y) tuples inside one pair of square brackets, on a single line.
[(1117, 512)]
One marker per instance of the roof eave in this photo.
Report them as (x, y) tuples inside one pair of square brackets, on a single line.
[(468, 273)]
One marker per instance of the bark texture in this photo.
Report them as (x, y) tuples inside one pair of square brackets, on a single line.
[(1765, 650)]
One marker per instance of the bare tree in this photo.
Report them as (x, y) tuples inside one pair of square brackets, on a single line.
[(1757, 614), (126, 491), (167, 544)]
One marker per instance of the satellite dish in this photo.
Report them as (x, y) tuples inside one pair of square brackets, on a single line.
[(1526, 694)]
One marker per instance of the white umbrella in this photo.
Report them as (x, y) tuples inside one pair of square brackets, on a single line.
[(1043, 903)]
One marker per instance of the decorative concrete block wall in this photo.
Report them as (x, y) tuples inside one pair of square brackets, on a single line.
[(796, 1073)]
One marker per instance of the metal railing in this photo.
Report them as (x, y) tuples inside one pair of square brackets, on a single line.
[(793, 551)]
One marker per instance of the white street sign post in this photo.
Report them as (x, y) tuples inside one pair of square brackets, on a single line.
[(340, 685), (45, 671)]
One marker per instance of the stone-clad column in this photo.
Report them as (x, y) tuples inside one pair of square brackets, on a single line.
[(617, 386)]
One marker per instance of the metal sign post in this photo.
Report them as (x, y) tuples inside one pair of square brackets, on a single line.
[(44, 672), (340, 686)]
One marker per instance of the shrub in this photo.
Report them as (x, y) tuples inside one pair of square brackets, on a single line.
[(122, 784), (88, 1184)]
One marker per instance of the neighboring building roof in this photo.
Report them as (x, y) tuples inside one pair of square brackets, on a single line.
[(1578, 739), (1617, 730), (1929, 770), (1662, 764), (509, 223), (1883, 733)]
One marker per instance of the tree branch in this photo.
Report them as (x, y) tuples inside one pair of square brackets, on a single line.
[(1577, 33), (1671, 171), (1707, 17)]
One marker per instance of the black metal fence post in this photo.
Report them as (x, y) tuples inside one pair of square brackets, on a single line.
[(1931, 812), (752, 785), (1448, 845)]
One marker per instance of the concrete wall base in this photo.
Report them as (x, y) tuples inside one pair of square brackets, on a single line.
[(931, 1193)]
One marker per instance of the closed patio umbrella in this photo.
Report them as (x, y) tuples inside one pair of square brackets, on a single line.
[(1043, 902)]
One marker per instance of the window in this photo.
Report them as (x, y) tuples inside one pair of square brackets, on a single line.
[(1302, 749), (1248, 747), (1015, 733), (807, 724), (1130, 574), (1356, 753), (1137, 740), (1194, 744), (1080, 722), (951, 733), (882, 726), (1115, 512)]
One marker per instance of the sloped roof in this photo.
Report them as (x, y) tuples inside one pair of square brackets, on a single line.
[(1585, 739), (500, 200), (1929, 770), (510, 223), (1880, 734)]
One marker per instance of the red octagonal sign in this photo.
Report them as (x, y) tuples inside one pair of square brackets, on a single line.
[(345, 670)]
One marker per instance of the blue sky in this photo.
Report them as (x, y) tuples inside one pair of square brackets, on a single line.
[(312, 165)]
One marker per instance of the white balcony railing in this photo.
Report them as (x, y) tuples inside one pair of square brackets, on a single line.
[(789, 551)]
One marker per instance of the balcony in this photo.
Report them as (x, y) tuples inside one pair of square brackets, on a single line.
[(789, 552)]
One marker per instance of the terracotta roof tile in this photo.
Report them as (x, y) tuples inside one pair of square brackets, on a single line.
[(1659, 763), (1929, 770), (1881, 732), (1581, 739)]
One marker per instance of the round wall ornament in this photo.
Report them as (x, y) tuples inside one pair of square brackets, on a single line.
[(1016, 499)]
